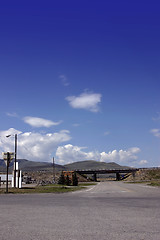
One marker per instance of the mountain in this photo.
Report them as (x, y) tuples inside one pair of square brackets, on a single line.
[(90, 164), (26, 165)]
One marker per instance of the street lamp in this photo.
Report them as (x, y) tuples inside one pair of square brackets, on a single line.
[(15, 157)]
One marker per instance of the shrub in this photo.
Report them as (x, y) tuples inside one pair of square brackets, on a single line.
[(75, 179), (61, 179), (67, 181)]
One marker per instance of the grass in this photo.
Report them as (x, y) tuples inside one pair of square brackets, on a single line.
[(135, 182), (155, 183), (154, 174), (52, 188), (43, 189), (87, 184), (150, 177)]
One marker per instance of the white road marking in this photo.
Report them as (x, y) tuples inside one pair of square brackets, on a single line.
[(111, 192), (92, 188), (145, 186)]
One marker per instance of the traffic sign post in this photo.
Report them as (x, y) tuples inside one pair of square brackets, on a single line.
[(15, 157), (7, 156)]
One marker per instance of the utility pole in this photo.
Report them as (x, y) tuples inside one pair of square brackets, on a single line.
[(53, 171), (15, 160), (8, 161)]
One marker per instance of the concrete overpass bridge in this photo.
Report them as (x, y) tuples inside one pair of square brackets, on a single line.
[(118, 172)]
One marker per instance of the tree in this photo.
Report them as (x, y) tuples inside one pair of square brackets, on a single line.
[(67, 180), (75, 179), (61, 179)]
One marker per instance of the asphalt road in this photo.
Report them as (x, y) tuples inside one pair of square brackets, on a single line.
[(107, 211)]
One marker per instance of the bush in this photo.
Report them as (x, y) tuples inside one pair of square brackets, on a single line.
[(61, 179), (75, 179), (67, 181)]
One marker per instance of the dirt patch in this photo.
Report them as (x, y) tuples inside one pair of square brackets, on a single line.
[(145, 175)]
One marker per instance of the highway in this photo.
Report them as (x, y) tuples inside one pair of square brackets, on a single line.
[(106, 211)]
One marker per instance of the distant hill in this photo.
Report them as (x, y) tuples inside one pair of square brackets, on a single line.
[(26, 165), (90, 164)]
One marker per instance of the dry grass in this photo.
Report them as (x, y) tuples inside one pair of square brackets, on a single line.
[(53, 188)]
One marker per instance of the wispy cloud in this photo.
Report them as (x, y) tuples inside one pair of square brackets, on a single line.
[(12, 114), (106, 133), (76, 125), (39, 122), (155, 132), (157, 118), (64, 80), (86, 100)]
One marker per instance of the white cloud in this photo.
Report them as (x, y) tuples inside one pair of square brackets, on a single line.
[(10, 131), (33, 146), (64, 80), (41, 147), (70, 153), (155, 132), (40, 122), (87, 101), (143, 162), (121, 156)]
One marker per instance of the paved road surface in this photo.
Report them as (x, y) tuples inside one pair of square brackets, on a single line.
[(107, 211)]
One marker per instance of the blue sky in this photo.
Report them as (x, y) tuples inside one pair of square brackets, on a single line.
[(80, 80)]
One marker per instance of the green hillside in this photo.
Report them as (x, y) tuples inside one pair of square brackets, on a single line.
[(26, 165), (90, 164)]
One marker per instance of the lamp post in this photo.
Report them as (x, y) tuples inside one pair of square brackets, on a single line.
[(15, 158)]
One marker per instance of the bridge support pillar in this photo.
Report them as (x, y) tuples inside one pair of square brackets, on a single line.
[(117, 177), (95, 177)]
